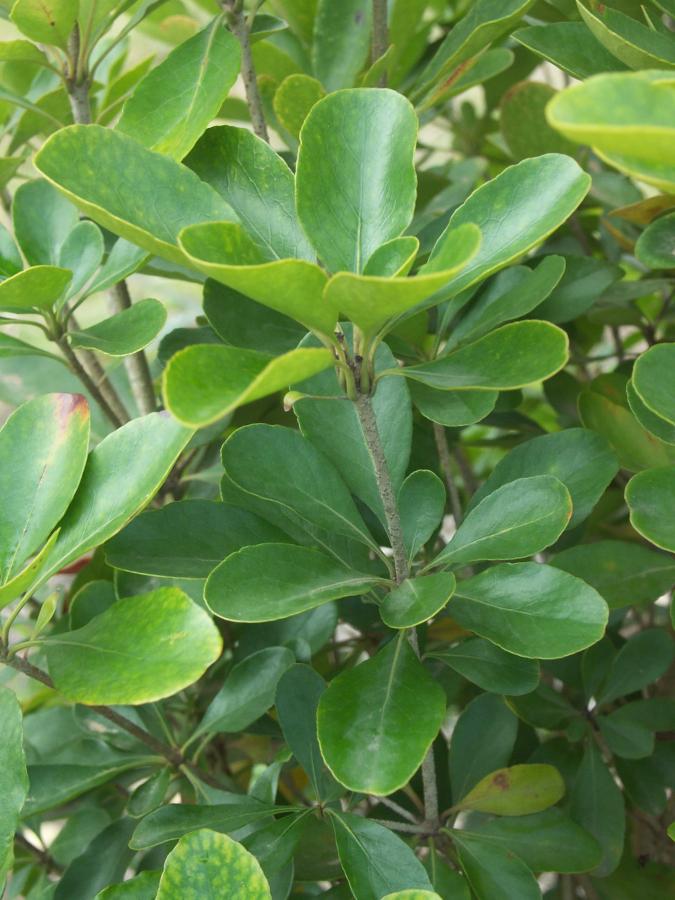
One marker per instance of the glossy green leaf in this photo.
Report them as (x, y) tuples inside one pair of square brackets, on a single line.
[(121, 475), (140, 887), (205, 382), (341, 41), (510, 357), (186, 539), (46, 24), (172, 106), (333, 426), (452, 409), (149, 209), (490, 667), (13, 777), (513, 293), (531, 610), (546, 842), (579, 458), (570, 46), (124, 333), (248, 691), (484, 21), (42, 219), (141, 649), (643, 659), (371, 302), (298, 693), (482, 741), (37, 288), (634, 43), (416, 600), (421, 504), (170, 822), (43, 450), (585, 279), (655, 247), (539, 194), (294, 287), (374, 859), (650, 497), (294, 98), (515, 791), (362, 718), (257, 184), (516, 520), (348, 133), (654, 380), (82, 252), (628, 120), (205, 865), (280, 465), (597, 805), (523, 122), (477, 71), (149, 794), (657, 426), (493, 872), (25, 577), (274, 581), (624, 572)]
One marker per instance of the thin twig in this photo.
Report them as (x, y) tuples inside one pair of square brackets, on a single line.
[(136, 365), (241, 30), (399, 810), (446, 468)]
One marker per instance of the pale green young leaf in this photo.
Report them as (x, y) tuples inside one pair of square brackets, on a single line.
[(44, 24), (124, 333), (37, 288)]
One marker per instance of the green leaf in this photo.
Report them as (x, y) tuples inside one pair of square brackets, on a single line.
[(140, 887), (294, 98), (257, 184), (280, 465), (512, 294), (139, 650), (523, 122), (42, 219), (416, 600), (37, 288), (82, 252), (274, 581), (624, 572), (149, 794), (170, 822), (452, 408), (516, 520), (22, 51), (247, 693), (494, 873), (124, 333), (43, 450), (579, 458), (635, 44), (145, 197), (374, 859), (11, 347), (585, 279), (413, 895), (13, 777), (205, 382), (597, 805), (650, 496), (186, 539), (121, 475), (546, 842), (371, 302), (364, 716), (531, 610), (334, 426), (294, 287), (341, 41), (652, 423), (642, 660), (510, 357), (421, 504), (24, 578), (298, 693), (655, 247), (570, 46), (175, 102), (205, 865), (482, 741), (654, 379), (490, 667), (516, 791), (46, 24), (485, 21), (105, 859), (628, 120), (345, 214), (539, 194)]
